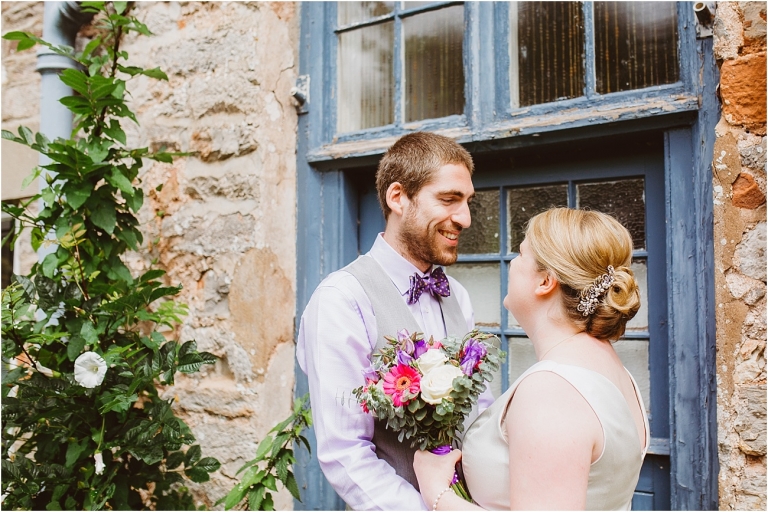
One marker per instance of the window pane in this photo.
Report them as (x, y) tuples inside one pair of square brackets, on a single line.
[(482, 236), (640, 321), (434, 65), (547, 51), (633, 355), (521, 357), (355, 12), (524, 203), (366, 80), (483, 282), (413, 5), (624, 199), (635, 45)]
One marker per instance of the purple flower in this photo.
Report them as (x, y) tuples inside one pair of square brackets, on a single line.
[(404, 358), (419, 348), (405, 341), (474, 351), (371, 374)]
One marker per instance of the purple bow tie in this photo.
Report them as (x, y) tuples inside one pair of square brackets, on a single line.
[(436, 283)]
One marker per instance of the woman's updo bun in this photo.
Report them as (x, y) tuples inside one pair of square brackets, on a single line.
[(578, 246)]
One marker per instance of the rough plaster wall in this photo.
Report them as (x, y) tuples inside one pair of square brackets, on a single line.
[(223, 224), (740, 245), (20, 106)]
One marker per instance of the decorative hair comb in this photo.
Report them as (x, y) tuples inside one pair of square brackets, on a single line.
[(591, 295)]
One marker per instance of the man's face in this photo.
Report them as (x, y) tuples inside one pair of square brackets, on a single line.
[(435, 216)]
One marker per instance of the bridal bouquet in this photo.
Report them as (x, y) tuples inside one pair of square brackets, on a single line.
[(425, 389)]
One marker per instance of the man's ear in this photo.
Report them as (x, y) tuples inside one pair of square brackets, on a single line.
[(547, 284), (396, 198)]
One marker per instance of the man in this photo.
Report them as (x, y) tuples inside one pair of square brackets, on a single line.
[(424, 184)]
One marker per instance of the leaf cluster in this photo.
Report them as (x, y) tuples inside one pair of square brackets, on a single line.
[(82, 297), (272, 463), (425, 425)]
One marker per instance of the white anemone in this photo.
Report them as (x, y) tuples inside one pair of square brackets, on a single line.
[(90, 369)]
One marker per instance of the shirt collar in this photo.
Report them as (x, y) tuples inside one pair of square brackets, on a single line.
[(397, 268)]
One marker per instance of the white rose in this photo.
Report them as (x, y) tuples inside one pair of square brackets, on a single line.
[(430, 359), (438, 383)]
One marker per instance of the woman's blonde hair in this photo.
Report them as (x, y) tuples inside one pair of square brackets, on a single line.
[(577, 246)]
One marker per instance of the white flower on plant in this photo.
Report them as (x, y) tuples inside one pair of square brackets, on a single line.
[(438, 383), (99, 463), (430, 359), (42, 369), (90, 369)]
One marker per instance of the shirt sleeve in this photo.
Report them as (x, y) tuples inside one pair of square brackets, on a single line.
[(336, 336)]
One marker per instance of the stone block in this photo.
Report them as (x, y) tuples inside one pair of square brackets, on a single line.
[(743, 90), (753, 14), (728, 31), (745, 288), (751, 420), (262, 303), (753, 155), (750, 253), (746, 192)]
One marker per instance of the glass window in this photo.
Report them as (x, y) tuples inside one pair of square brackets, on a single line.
[(434, 67), (634, 46), (365, 78), (482, 236), (398, 62), (547, 63)]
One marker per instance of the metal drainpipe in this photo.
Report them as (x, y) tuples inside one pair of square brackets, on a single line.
[(61, 21)]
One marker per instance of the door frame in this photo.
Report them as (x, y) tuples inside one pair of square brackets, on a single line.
[(327, 239)]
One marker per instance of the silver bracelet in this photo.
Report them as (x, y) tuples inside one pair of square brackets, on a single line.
[(434, 505)]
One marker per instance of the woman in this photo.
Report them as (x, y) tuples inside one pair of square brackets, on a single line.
[(571, 432)]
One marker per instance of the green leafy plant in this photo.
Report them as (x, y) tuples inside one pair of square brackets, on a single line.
[(86, 345), (273, 461)]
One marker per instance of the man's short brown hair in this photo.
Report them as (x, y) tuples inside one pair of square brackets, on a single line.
[(413, 160)]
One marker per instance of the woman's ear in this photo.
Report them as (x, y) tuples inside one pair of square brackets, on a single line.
[(547, 284), (396, 198)]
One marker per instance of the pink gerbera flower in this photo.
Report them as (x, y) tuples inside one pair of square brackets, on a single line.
[(402, 379)]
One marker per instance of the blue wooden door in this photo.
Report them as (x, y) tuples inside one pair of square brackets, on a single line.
[(623, 176)]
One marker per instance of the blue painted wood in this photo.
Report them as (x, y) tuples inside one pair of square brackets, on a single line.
[(498, 54), (691, 247), (589, 50), (472, 48), (316, 493)]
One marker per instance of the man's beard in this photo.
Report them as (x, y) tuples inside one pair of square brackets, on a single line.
[(422, 244)]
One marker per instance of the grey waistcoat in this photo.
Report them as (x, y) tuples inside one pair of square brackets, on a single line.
[(392, 314)]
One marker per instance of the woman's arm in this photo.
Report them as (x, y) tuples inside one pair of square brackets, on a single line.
[(434, 473), (554, 436)]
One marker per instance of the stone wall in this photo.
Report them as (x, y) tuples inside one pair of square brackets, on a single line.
[(740, 245), (222, 222)]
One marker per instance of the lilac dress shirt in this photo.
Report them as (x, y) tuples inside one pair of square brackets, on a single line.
[(336, 339)]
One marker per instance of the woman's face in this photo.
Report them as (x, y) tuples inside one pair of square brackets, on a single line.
[(524, 276)]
